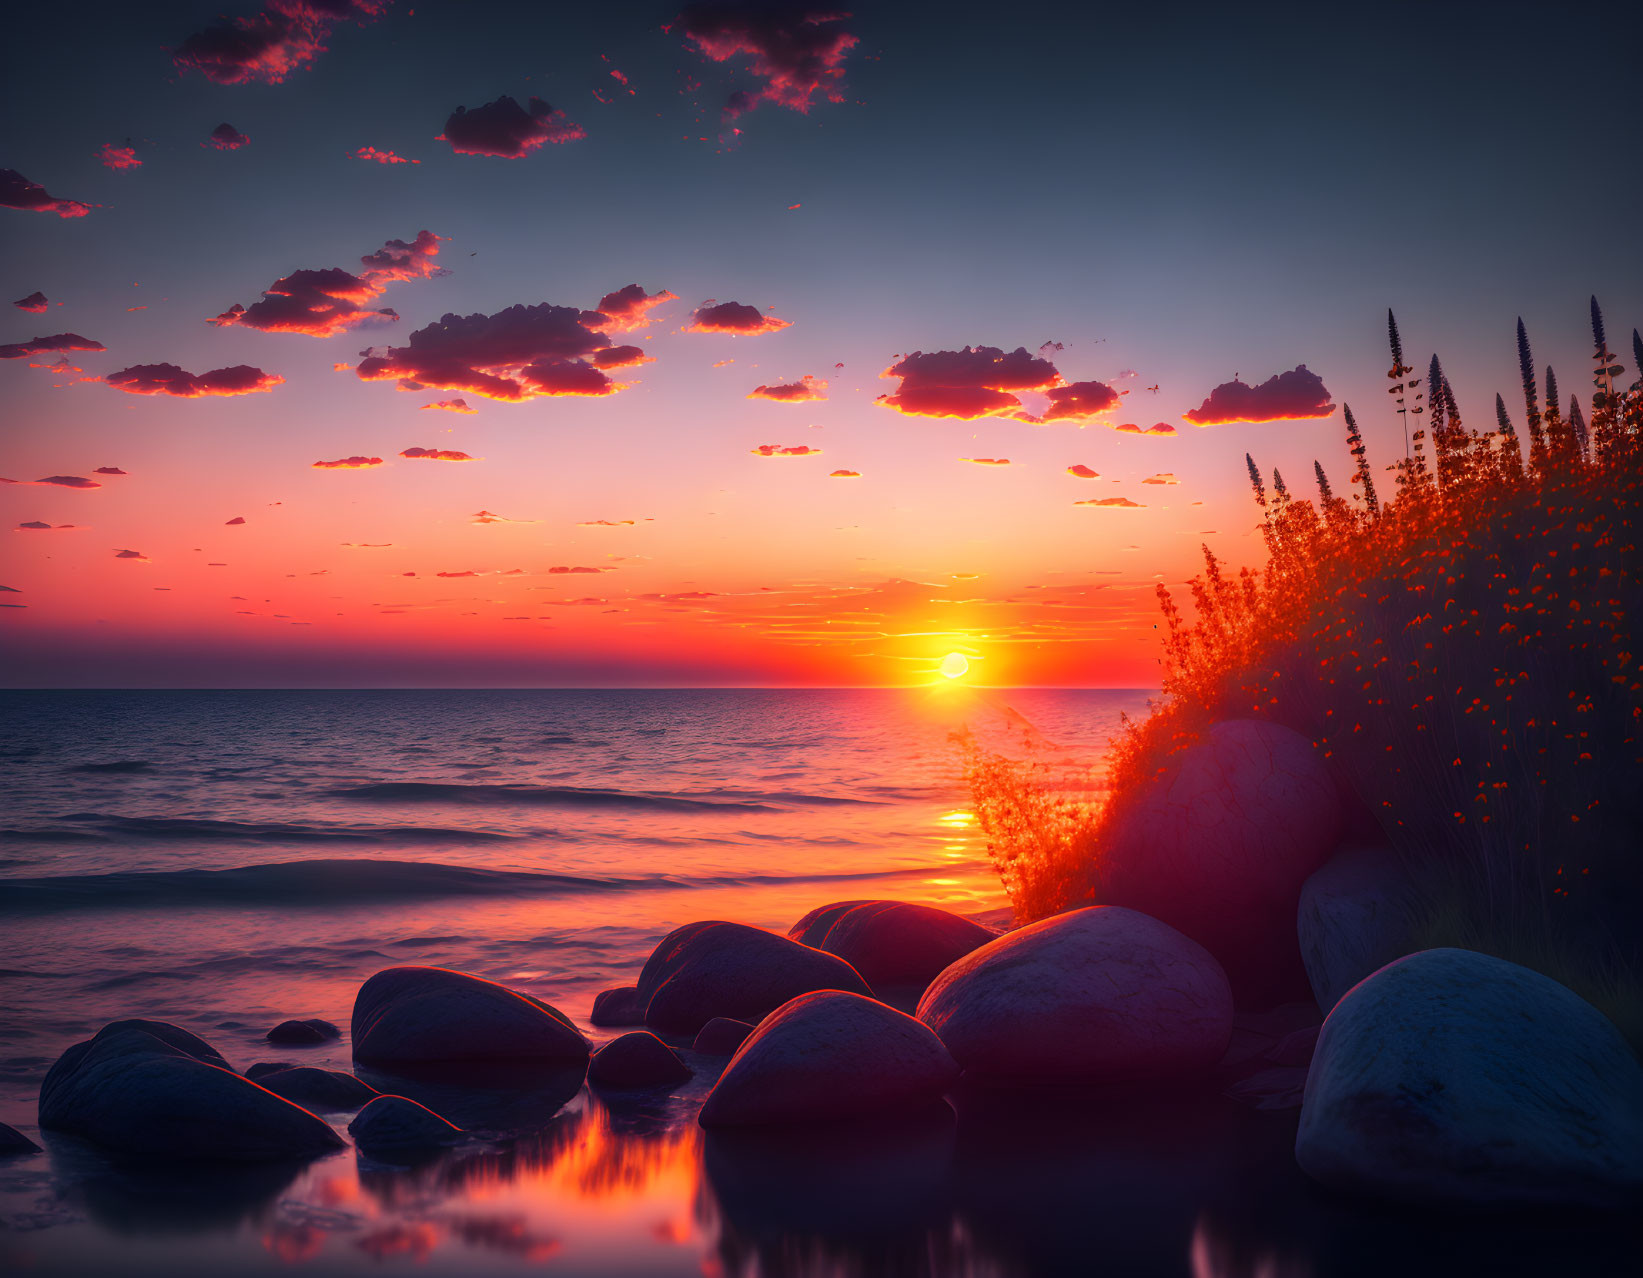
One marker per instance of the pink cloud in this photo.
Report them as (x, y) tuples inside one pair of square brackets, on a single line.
[(449, 406), (629, 308), (844, 474), (1123, 503), (355, 462), (805, 389), (736, 318), (1082, 471), (980, 381), (108, 470), (778, 450), (987, 461), (621, 357), (381, 157), (795, 53), (437, 454), (119, 157), (504, 128), (35, 303), (282, 38), (1079, 401), (56, 342), (225, 137), (1298, 395), (1159, 428), (168, 379), (17, 192), (1165, 478)]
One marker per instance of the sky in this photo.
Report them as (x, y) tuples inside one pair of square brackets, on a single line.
[(778, 345)]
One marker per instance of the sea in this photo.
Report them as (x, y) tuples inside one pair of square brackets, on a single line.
[(226, 860)]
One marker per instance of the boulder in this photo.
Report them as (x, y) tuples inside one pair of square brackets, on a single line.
[(1356, 915), (829, 1055), (145, 1087), (709, 969), (318, 1089), (1220, 844), (398, 1125), (892, 944), (1102, 993), (1450, 1077), (303, 1033), (619, 1006), (13, 1142), (407, 1015), (721, 1037), (636, 1060)]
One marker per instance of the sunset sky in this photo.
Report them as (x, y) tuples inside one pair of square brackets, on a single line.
[(879, 255)]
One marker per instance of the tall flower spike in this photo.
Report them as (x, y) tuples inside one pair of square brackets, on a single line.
[(1354, 445), (1577, 421), (1526, 366), (1599, 339), (1255, 481), (1395, 340), (1324, 494), (1501, 416)]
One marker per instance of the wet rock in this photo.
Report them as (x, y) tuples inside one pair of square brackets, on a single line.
[(318, 1089), (1097, 994), (636, 1060), (13, 1142), (1219, 846), (303, 1033), (1450, 1077), (1357, 914), (145, 1087), (268, 1067), (418, 1014), (721, 1036), (398, 1125), (892, 944), (829, 1055), (619, 1006), (709, 969)]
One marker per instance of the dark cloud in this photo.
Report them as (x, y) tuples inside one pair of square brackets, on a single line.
[(225, 137), (466, 573), (17, 192), (168, 379), (795, 52), (130, 554), (736, 318), (270, 45), (56, 342), (506, 129), (69, 481), (779, 450), (35, 303), (1298, 395), (118, 157), (561, 569), (355, 462), (35, 525), (238, 519), (630, 307), (806, 388), (1082, 471), (621, 357), (1079, 401), (1158, 428), (108, 470), (437, 454), (980, 381)]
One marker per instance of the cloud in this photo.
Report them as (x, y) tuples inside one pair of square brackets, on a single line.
[(736, 318), (381, 157), (168, 379), (17, 192), (282, 38), (56, 342), (35, 303), (806, 388), (844, 474), (778, 450), (131, 554), (34, 525), (119, 157), (606, 523), (506, 129), (629, 308), (987, 461), (1082, 471), (355, 462), (450, 406), (108, 470), (1159, 428), (225, 137), (466, 573), (1165, 478), (721, 363), (621, 357), (979, 381), (69, 481), (323, 303), (1079, 401), (561, 569), (437, 454), (794, 51), (491, 517), (1298, 395), (238, 519), (1118, 502), (518, 354)]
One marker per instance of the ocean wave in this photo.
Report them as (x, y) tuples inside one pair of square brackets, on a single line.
[(100, 827), (567, 796)]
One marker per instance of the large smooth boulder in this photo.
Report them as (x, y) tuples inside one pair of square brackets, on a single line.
[(1102, 993), (145, 1087), (1356, 915), (892, 944), (411, 1015), (721, 1036), (398, 1125), (829, 1055), (308, 1033), (1454, 1077), (619, 1006), (318, 1089), (634, 1061), (1219, 846), (709, 969)]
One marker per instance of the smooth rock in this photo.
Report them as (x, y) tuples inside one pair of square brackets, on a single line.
[(619, 1006), (721, 1036), (145, 1087), (397, 1124), (1449, 1077), (892, 944), (303, 1033), (709, 969), (636, 1060), (829, 1055), (418, 1014), (1219, 846), (13, 1142), (268, 1067), (1097, 994), (1357, 914), (318, 1089)]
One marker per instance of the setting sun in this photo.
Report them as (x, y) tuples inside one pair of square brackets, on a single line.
[(954, 665)]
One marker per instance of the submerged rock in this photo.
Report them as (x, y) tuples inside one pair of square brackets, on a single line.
[(303, 1033), (145, 1087), (397, 1124), (829, 1055), (1220, 845), (418, 1014), (1356, 915), (721, 1036), (268, 1067), (318, 1089), (619, 1006), (13, 1142), (1100, 993), (636, 1060), (709, 969), (892, 944), (1454, 1077)]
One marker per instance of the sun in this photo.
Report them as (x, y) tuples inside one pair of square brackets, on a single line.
[(954, 665)]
